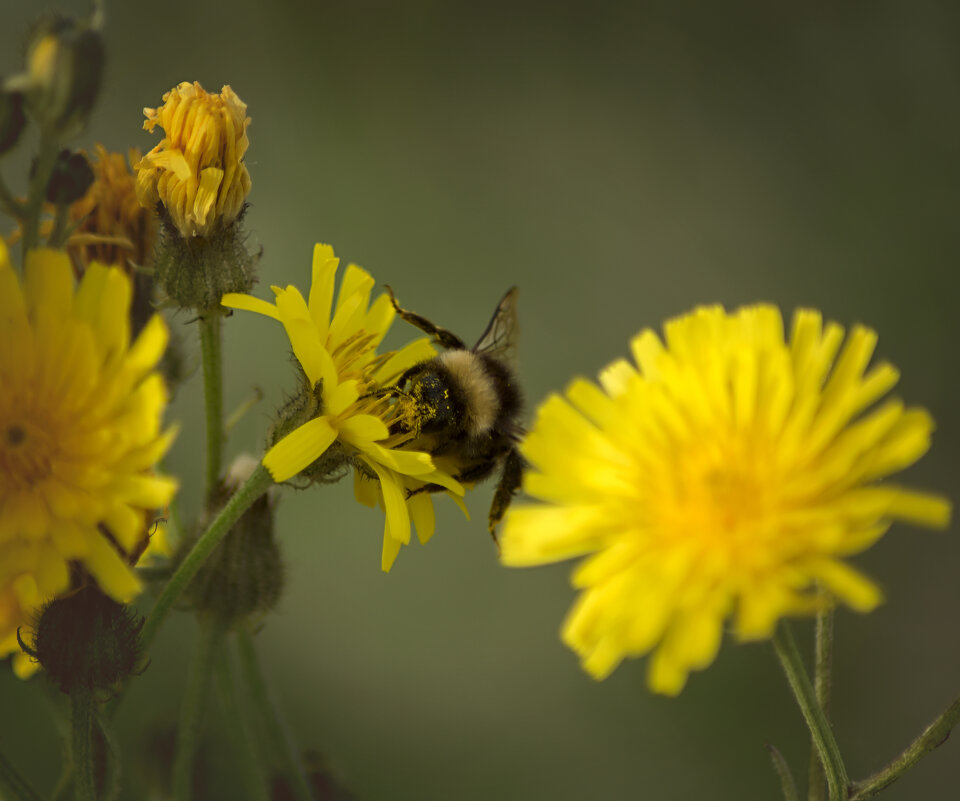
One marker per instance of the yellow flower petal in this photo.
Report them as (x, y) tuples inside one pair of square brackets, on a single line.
[(391, 547), (234, 300), (321, 287), (421, 512), (49, 281), (299, 448), (113, 575), (420, 350), (365, 490), (363, 428)]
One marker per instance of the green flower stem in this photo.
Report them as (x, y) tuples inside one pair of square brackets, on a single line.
[(253, 488), (933, 736), (63, 791), (13, 785), (820, 730), (210, 348), (787, 783), (61, 224), (43, 169), (822, 681), (209, 643), (269, 714), (8, 203), (83, 710), (247, 757)]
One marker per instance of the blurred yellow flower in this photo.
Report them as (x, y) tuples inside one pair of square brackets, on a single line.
[(197, 170), (344, 372), (80, 434), (112, 227), (728, 476)]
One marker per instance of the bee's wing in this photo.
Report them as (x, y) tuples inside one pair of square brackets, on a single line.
[(499, 339)]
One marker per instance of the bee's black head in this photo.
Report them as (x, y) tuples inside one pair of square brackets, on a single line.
[(436, 400)]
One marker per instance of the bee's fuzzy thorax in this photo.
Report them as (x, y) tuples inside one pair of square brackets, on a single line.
[(482, 401)]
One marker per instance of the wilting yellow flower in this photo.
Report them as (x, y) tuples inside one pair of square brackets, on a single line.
[(110, 225), (80, 417), (197, 171), (728, 477), (113, 228), (344, 371)]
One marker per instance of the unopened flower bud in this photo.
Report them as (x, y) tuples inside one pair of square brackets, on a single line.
[(12, 119), (244, 575), (197, 181), (64, 64), (70, 179), (86, 640)]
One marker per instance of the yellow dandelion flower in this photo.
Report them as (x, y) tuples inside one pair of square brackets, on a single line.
[(343, 370), (728, 476), (197, 170), (80, 433)]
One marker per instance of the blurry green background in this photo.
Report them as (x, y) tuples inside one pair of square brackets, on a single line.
[(620, 163)]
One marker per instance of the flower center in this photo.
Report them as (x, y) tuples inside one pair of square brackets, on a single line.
[(15, 435), (25, 452), (725, 492)]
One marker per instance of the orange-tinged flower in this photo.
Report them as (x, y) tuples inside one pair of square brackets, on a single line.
[(197, 171), (112, 227)]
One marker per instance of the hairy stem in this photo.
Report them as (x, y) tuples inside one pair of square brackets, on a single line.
[(787, 784), (269, 714), (252, 489), (933, 736), (820, 730), (822, 682), (248, 757), (83, 709), (43, 169), (210, 349), (192, 710)]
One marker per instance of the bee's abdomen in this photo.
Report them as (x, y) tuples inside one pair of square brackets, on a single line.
[(509, 398)]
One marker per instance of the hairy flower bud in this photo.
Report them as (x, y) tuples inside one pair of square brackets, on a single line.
[(86, 640), (244, 575), (198, 183)]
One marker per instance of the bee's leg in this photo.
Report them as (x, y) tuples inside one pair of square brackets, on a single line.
[(385, 392), (426, 488), (394, 392), (510, 480), (443, 337)]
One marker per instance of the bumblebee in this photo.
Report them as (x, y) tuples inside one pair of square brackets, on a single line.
[(466, 403)]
